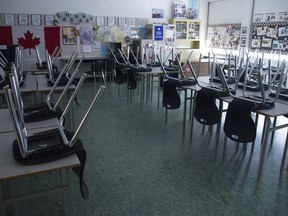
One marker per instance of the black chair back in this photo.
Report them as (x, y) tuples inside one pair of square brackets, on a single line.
[(171, 98), (239, 125)]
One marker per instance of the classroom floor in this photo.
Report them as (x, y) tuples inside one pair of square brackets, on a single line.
[(137, 165)]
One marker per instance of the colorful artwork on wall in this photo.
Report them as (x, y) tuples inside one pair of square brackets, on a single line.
[(192, 9), (223, 36), (269, 36)]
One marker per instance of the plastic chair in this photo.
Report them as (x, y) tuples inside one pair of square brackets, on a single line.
[(97, 67), (110, 69)]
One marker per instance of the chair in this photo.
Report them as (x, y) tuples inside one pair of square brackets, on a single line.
[(110, 69), (97, 67), (43, 110), (239, 125), (52, 144)]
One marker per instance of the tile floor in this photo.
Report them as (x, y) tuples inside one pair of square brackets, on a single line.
[(138, 166)]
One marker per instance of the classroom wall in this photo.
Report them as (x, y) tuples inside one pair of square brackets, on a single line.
[(124, 8), (143, 9)]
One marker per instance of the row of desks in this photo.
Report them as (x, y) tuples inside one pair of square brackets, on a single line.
[(280, 109)]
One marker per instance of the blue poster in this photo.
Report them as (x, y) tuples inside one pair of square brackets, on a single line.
[(158, 33)]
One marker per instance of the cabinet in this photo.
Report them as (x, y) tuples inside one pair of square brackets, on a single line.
[(187, 33)]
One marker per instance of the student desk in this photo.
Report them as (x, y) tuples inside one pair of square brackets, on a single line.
[(10, 169), (280, 109), (29, 87), (147, 78), (8, 126), (30, 66)]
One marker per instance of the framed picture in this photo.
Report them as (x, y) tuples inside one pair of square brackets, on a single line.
[(49, 20), (69, 35), (36, 19), (270, 17), (121, 21), (9, 19), (100, 21), (243, 42), (23, 19), (132, 21), (283, 16), (157, 13), (267, 42), (283, 31), (179, 10), (111, 21), (193, 8), (256, 43), (258, 18), (142, 22), (244, 30)]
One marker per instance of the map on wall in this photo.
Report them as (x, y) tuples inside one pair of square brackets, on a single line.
[(223, 36), (269, 37)]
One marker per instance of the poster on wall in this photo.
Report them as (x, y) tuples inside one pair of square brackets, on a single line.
[(223, 36), (179, 10), (192, 9), (157, 13), (269, 37), (158, 33), (69, 35)]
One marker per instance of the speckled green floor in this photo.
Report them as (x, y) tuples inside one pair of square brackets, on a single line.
[(138, 166)]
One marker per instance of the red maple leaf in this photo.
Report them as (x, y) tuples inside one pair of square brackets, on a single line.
[(29, 42)]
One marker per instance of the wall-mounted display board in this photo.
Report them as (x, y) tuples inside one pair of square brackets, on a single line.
[(269, 36), (223, 36), (79, 32)]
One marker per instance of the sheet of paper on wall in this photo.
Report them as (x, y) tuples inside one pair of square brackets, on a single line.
[(87, 48), (96, 46)]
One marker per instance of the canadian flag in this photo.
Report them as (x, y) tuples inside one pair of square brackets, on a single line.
[(28, 37)]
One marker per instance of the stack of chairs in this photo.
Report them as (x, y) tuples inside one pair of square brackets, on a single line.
[(49, 145)]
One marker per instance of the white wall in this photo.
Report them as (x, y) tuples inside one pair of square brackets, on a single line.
[(143, 9), (270, 6), (124, 8)]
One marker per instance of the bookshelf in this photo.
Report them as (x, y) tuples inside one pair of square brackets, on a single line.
[(187, 33)]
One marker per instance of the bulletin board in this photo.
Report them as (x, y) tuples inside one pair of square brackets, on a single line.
[(223, 36), (269, 37)]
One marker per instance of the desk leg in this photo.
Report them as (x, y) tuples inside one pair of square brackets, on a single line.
[(184, 112), (264, 146), (151, 91), (159, 88), (219, 126), (2, 207), (284, 154), (192, 116), (147, 88), (141, 92)]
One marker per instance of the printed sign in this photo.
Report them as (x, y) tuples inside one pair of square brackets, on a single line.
[(158, 33)]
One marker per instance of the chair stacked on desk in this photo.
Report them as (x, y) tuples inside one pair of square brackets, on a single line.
[(5, 67), (50, 144), (127, 64), (173, 84), (239, 125)]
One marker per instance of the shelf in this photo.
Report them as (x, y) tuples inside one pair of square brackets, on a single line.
[(187, 33)]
